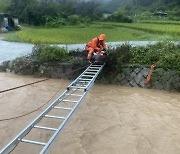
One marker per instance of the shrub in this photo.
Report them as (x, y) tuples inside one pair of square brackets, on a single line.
[(65, 20), (164, 54), (171, 61), (74, 20), (44, 53), (152, 53), (119, 56), (146, 15), (56, 21), (119, 17)]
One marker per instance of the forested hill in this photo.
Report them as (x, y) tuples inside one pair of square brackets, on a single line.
[(112, 5), (45, 12), (141, 5)]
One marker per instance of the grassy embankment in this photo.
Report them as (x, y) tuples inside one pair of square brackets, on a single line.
[(172, 22), (146, 30), (157, 28)]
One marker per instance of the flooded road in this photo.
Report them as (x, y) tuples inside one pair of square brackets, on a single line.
[(111, 119), (12, 50)]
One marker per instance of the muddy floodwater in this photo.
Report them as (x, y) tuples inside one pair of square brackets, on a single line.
[(111, 119)]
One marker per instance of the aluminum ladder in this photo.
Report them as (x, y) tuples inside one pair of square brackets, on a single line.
[(68, 101)]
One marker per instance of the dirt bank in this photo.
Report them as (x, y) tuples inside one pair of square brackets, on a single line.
[(111, 119)]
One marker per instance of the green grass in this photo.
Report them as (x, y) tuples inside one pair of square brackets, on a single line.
[(151, 28), (113, 31), (11, 37), (172, 22)]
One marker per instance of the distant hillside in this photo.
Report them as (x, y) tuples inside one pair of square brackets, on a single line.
[(102, 1), (142, 5), (112, 5)]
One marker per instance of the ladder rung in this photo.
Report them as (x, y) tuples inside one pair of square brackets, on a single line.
[(84, 79), (63, 108), (74, 89), (74, 95), (78, 87), (91, 70), (56, 117), (33, 142), (97, 68), (88, 75), (65, 100), (46, 128), (96, 65), (81, 85)]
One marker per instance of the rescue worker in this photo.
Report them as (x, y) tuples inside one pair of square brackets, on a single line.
[(95, 45)]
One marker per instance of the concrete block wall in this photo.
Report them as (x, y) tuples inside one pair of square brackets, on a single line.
[(160, 79), (129, 76)]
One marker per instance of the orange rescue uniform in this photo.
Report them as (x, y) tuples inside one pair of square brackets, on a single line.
[(96, 44)]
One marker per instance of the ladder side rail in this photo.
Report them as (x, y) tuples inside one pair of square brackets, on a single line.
[(9, 147), (46, 148), (68, 88), (90, 84)]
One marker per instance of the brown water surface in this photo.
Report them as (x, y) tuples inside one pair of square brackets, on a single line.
[(111, 119)]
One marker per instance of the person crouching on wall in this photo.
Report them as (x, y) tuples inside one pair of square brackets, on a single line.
[(95, 45)]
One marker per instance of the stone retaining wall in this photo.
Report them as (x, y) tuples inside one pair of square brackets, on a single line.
[(160, 79), (134, 77), (48, 70)]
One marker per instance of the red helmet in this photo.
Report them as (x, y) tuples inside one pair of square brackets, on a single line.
[(102, 37)]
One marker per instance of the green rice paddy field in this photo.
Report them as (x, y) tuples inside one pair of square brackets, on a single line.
[(148, 31)]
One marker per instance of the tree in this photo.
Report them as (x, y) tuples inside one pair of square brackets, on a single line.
[(119, 16), (19, 8), (33, 11), (90, 9), (3, 5)]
